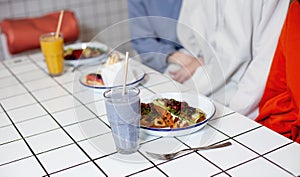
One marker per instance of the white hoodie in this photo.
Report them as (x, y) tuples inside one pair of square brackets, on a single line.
[(237, 39)]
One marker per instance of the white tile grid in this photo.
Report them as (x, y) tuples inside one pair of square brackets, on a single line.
[(73, 115), (100, 8), (189, 165), (8, 134), (87, 12), (36, 126), (4, 73), (95, 147), (48, 141), (40, 84), (7, 81), (60, 103), (37, 57), (241, 124), (32, 75), (26, 167), (75, 87), (87, 129), (97, 107), (42, 64), (26, 112), (45, 5), (17, 101), (1, 109), (287, 157), (49, 93), (168, 87), (221, 110), (221, 175), (169, 145), (4, 120), (268, 140), (250, 140), (86, 169), (13, 151), (149, 172), (34, 5), (18, 8), (1, 66), (17, 61), (61, 4), (228, 157), (68, 76), (261, 166), (104, 119), (5, 9), (142, 164), (25, 67), (12, 91), (122, 165), (62, 158), (203, 137), (89, 96)]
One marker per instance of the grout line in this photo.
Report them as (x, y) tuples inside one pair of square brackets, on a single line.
[(230, 168), (30, 149), (70, 167), (259, 155), (55, 121), (263, 156), (16, 160), (146, 170), (197, 152), (154, 165)]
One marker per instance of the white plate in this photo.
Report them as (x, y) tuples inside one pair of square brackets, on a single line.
[(85, 61), (194, 100), (139, 75)]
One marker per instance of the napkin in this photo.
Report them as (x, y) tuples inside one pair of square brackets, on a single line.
[(113, 75)]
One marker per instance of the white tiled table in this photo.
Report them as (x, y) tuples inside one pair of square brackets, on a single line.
[(57, 127)]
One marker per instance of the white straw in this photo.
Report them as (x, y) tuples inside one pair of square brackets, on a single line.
[(59, 23), (125, 74)]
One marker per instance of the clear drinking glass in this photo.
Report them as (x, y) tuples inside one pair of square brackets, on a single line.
[(123, 112)]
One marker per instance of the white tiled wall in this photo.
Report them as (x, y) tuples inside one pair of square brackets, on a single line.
[(94, 16)]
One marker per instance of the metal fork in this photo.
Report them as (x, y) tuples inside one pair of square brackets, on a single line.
[(172, 155)]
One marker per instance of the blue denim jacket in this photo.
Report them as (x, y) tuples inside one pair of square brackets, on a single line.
[(153, 30)]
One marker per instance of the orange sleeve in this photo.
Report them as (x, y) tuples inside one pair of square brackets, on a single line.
[(279, 106)]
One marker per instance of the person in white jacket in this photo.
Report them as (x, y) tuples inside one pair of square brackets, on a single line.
[(236, 40)]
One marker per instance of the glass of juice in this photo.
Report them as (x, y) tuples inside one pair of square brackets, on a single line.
[(53, 51), (123, 113)]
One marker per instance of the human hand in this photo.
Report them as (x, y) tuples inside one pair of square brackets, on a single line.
[(188, 65), (181, 59)]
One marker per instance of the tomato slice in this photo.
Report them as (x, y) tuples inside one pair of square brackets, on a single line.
[(77, 53), (94, 78)]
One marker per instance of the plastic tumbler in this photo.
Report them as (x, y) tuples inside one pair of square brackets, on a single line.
[(123, 112)]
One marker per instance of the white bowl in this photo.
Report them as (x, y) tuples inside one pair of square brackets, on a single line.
[(194, 100)]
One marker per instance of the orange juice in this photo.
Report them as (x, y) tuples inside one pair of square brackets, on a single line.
[(53, 51)]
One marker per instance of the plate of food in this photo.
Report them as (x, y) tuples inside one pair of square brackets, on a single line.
[(175, 114), (111, 74), (84, 53)]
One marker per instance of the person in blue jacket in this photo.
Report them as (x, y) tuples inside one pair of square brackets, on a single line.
[(154, 36)]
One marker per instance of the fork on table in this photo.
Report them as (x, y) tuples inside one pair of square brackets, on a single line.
[(172, 155)]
